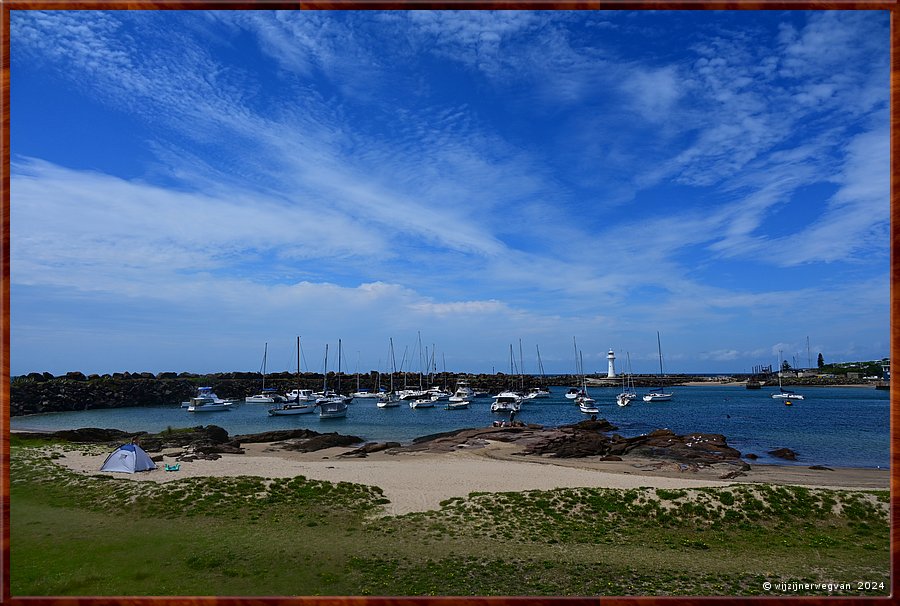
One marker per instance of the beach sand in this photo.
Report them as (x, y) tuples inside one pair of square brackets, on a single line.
[(419, 481)]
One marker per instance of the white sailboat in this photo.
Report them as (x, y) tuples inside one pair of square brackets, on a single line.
[(586, 403), (541, 391), (332, 406), (628, 394), (389, 399), (361, 393), (266, 395), (300, 403), (661, 395), (783, 393), (574, 392)]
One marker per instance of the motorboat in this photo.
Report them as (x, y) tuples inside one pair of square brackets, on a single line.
[(506, 401), (300, 395), (332, 409), (206, 393), (463, 392), (456, 404), (364, 393), (200, 404), (588, 407), (388, 400), (268, 395), (625, 398), (423, 403)]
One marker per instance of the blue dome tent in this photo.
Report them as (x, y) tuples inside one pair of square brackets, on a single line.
[(128, 458)]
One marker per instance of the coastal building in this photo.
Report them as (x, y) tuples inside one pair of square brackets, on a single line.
[(611, 357)]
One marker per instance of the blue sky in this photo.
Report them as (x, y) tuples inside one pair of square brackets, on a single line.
[(187, 186)]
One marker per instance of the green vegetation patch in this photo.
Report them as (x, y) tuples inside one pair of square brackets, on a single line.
[(295, 536)]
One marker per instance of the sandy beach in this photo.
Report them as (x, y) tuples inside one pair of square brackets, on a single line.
[(419, 481)]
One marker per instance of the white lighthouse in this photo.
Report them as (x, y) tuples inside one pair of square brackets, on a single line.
[(612, 364)]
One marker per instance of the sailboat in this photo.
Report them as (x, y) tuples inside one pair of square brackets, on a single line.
[(574, 392), (331, 405), (300, 404), (266, 395), (782, 393), (414, 394), (585, 402), (661, 395), (389, 399), (362, 393), (541, 391), (426, 398), (628, 394)]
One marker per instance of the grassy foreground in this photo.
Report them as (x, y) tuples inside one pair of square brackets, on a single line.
[(92, 535)]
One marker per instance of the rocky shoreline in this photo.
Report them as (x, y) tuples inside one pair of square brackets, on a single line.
[(589, 438)]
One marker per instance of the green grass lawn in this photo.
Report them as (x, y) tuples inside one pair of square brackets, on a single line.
[(73, 534)]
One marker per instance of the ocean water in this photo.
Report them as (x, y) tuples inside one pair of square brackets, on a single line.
[(833, 426)]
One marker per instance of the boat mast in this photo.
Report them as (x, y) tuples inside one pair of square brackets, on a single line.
[(583, 379), (265, 351), (575, 345), (339, 369), (298, 370), (540, 364), (325, 374), (659, 349), (393, 364), (521, 367)]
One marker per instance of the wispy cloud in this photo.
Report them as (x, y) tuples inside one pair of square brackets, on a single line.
[(494, 171)]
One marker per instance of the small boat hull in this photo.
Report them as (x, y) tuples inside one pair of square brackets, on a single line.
[(657, 397), (292, 409)]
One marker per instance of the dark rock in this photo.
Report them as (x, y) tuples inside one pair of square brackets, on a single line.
[(275, 436), (371, 447), (76, 376), (321, 442), (751, 456), (731, 474), (784, 453), (821, 468), (611, 458), (594, 425), (208, 436)]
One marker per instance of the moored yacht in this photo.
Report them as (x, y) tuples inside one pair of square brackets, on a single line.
[(506, 401)]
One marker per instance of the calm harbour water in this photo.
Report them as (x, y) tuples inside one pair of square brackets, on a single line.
[(833, 426)]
